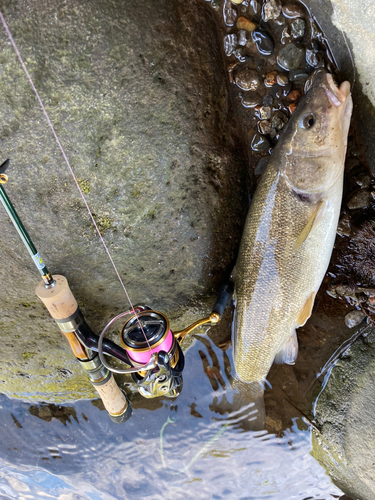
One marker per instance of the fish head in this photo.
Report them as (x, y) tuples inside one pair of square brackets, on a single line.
[(314, 142)]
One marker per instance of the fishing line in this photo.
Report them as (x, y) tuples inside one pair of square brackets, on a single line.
[(70, 168)]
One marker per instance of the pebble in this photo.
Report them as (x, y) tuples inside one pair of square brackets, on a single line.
[(238, 54), (298, 76), (294, 95), (247, 79), (254, 7), (297, 28), (229, 13), (260, 143), (264, 42), (361, 199), (264, 112), (276, 91), (285, 36), (314, 59), (267, 100), (242, 38), (282, 80), (287, 89), (230, 44), (279, 119), (237, 2), (245, 24), (271, 79), (271, 10), (251, 99), (291, 56), (293, 10), (354, 318), (266, 128), (292, 107)]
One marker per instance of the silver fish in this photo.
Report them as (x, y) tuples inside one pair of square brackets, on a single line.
[(290, 230)]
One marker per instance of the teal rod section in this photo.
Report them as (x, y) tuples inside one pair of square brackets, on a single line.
[(47, 278)]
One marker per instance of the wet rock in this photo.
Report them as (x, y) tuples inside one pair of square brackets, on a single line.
[(314, 59), (361, 199), (291, 56), (271, 79), (297, 28), (292, 107), (266, 128), (230, 44), (271, 10), (239, 54), (267, 100), (247, 79), (261, 165), (251, 99), (345, 416), (282, 80), (293, 10), (276, 91), (229, 13), (237, 2), (354, 318), (242, 38), (245, 24), (264, 41), (260, 143), (294, 95), (279, 119), (298, 75), (264, 113), (254, 7)]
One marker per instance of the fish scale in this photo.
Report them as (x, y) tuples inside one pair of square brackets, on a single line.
[(276, 274)]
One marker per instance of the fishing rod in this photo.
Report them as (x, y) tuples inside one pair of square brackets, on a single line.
[(149, 349)]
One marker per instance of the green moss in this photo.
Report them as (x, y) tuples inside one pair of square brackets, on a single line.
[(136, 193), (84, 185), (25, 304), (151, 213), (28, 355)]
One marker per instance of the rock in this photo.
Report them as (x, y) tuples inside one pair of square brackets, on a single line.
[(293, 10), (266, 128), (291, 56), (361, 199), (265, 112), (264, 42), (230, 44), (254, 7), (279, 119), (282, 80), (292, 107), (354, 318), (285, 35), (242, 38), (271, 10), (245, 24), (247, 79), (147, 128), (314, 59), (251, 99), (267, 100), (345, 417), (260, 143), (229, 13), (297, 28), (294, 95), (237, 2), (261, 165), (271, 79), (298, 76)]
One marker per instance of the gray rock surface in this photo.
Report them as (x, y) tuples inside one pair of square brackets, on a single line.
[(138, 96), (345, 417)]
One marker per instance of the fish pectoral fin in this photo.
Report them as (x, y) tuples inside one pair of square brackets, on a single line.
[(289, 352), (306, 310), (314, 220)]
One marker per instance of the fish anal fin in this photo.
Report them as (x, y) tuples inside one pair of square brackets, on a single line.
[(306, 310), (314, 220), (288, 354)]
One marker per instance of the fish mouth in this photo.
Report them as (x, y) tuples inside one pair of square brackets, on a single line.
[(337, 95)]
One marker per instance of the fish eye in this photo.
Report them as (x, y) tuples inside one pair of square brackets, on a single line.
[(307, 121)]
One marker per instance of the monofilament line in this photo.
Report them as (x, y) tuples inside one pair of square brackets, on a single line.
[(68, 163)]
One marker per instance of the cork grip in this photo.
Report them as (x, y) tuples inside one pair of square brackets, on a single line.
[(113, 399), (59, 300)]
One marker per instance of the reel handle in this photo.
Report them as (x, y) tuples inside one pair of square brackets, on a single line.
[(225, 294)]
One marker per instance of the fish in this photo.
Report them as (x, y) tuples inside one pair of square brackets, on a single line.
[(290, 230)]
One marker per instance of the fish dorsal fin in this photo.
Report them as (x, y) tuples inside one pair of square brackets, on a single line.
[(289, 352), (314, 220), (306, 310)]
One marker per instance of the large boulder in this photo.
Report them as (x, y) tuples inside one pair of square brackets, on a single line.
[(344, 441), (138, 96)]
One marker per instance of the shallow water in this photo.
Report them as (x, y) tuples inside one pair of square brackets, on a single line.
[(191, 447)]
